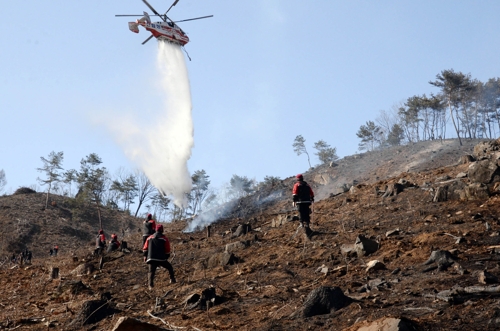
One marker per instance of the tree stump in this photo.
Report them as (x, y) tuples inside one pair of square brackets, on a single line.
[(54, 273)]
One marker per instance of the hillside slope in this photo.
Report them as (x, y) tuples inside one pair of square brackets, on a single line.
[(267, 279)]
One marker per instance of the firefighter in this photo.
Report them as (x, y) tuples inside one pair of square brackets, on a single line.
[(114, 244), (303, 197), (100, 243), (156, 252), (148, 228)]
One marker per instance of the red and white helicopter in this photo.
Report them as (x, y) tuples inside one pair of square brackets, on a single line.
[(166, 30)]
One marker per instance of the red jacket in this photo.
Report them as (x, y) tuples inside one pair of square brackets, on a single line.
[(302, 192)]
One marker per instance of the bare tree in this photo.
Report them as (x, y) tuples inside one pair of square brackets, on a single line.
[(145, 190)]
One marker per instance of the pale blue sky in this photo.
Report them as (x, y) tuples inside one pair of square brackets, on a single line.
[(262, 72)]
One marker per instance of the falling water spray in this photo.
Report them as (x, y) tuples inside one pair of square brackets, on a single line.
[(163, 149)]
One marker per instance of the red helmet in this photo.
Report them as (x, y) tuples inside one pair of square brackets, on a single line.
[(299, 177), (101, 232), (113, 235), (159, 228), (150, 216)]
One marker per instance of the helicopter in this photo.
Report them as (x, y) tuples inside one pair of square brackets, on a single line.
[(166, 30)]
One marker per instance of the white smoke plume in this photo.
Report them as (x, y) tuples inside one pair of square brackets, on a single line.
[(162, 151)]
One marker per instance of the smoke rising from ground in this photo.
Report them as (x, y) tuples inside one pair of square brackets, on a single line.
[(163, 149)]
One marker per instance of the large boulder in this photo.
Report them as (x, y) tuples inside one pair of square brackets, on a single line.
[(450, 190), (323, 300), (485, 171)]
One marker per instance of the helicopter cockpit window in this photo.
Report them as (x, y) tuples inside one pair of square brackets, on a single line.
[(171, 24)]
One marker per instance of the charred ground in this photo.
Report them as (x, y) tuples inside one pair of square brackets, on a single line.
[(262, 279)]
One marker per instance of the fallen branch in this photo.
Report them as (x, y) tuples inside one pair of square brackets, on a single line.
[(208, 315), (460, 294), (454, 237), (420, 308), (166, 323)]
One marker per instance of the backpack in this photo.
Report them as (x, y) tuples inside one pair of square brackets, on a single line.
[(304, 191)]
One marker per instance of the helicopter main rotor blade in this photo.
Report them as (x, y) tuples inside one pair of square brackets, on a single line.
[(152, 9), (145, 41), (137, 15), (175, 2), (196, 18)]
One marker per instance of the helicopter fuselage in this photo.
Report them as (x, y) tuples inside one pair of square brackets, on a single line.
[(162, 30)]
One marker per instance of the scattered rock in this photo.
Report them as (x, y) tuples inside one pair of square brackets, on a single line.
[(131, 324), (83, 269), (323, 269), (475, 191), (281, 220), (221, 259), (204, 300), (392, 233), (93, 311), (374, 265), (73, 287), (442, 258), (348, 249), (364, 246), (389, 324), (238, 245), (487, 278), (464, 159), (393, 189), (242, 229)]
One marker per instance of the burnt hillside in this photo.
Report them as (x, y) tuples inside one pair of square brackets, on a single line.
[(413, 251)]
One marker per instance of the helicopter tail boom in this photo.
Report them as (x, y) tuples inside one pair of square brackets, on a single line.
[(133, 26)]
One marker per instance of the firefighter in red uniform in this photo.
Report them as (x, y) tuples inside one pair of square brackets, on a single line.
[(114, 244), (156, 253), (303, 197), (100, 243), (148, 228)]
